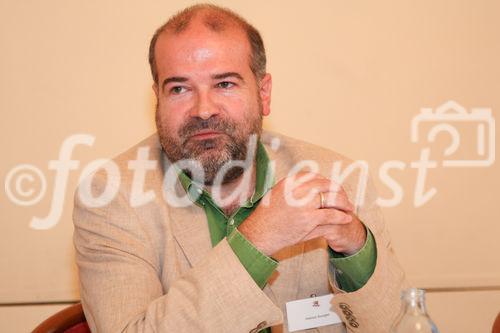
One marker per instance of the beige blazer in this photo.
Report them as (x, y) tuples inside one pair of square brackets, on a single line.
[(151, 268)]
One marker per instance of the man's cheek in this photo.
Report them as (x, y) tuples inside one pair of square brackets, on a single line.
[(237, 110), (170, 117)]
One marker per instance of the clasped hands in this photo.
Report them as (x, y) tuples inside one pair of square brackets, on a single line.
[(303, 207)]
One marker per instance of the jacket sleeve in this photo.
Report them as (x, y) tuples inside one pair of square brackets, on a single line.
[(374, 307), (121, 290)]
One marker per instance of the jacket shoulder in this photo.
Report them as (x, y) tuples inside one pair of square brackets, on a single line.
[(297, 150), (118, 169), (151, 143)]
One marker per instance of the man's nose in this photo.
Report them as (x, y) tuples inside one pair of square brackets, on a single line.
[(204, 107)]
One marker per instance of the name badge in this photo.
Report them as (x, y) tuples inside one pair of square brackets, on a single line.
[(310, 313)]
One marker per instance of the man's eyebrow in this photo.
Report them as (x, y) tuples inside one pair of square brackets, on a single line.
[(226, 75), (173, 79)]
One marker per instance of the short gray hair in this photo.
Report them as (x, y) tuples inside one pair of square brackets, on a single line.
[(217, 19)]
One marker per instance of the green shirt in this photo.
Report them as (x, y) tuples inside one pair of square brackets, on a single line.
[(351, 272)]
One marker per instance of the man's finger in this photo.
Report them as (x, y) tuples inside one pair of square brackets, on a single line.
[(337, 200), (333, 195), (331, 216), (320, 231)]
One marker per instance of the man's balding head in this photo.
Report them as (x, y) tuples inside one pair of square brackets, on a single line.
[(216, 19)]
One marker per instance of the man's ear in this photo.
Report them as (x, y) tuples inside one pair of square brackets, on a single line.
[(265, 87), (155, 89)]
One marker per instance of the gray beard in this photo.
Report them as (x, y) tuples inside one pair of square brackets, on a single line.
[(211, 154)]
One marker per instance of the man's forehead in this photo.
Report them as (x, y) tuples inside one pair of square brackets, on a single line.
[(201, 46)]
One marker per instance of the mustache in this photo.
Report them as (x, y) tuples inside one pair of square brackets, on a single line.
[(194, 125)]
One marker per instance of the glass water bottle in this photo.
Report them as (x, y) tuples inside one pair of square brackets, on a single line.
[(413, 317)]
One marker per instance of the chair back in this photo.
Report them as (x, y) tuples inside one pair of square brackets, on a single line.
[(496, 325), (68, 320)]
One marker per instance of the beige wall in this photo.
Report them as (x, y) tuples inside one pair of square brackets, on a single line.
[(348, 75)]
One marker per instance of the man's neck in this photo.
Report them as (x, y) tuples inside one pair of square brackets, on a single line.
[(228, 189)]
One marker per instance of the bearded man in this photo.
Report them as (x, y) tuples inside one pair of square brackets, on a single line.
[(217, 225)]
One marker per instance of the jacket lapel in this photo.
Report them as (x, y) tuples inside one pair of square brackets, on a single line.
[(190, 230), (189, 224)]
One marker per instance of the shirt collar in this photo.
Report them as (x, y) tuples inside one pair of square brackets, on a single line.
[(264, 179)]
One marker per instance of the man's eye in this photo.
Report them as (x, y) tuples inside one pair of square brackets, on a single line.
[(177, 90), (225, 85)]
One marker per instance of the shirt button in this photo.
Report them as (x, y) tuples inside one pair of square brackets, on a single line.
[(231, 222)]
